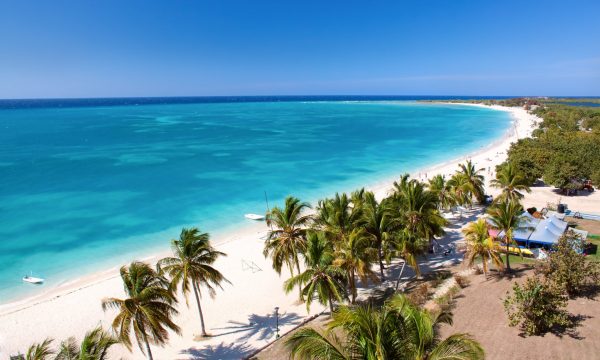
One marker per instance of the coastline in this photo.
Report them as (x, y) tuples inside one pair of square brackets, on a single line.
[(239, 243)]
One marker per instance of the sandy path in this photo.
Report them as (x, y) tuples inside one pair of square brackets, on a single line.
[(240, 317)]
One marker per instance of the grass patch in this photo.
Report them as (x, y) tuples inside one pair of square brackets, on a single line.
[(516, 259), (595, 240)]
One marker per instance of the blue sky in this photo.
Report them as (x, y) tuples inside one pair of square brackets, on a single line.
[(108, 48)]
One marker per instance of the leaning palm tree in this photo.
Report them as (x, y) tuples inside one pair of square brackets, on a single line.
[(354, 257), (506, 216), (398, 330), (321, 280), (381, 225), (286, 239), (512, 183), (148, 308), (192, 266), (475, 179), (481, 245), (94, 346), (38, 351)]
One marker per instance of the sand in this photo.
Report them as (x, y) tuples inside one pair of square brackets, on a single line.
[(240, 318), (480, 312)]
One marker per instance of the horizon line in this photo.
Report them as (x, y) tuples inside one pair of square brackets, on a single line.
[(297, 95)]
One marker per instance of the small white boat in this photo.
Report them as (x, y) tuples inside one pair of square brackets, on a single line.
[(33, 279), (254, 217)]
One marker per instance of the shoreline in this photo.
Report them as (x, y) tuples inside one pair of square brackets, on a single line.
[(92, 288), (380, 188)]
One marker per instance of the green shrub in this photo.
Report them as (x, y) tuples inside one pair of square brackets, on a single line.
[(567, 266), (537, 306)]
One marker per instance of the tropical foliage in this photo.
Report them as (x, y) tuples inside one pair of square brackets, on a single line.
[(480, 245), (94, 346), (474, 179), (563, 150), (355, 257), (506, 216), (568, 268), (321, 280), (397, 330), (38, 351), (511, 181), (446, 198), (286, 240), (192, 266), (536, 306), (148, 309)]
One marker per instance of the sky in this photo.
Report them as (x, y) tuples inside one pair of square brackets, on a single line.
[(128, 48)]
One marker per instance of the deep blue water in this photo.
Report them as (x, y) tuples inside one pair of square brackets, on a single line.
[(89, 183)]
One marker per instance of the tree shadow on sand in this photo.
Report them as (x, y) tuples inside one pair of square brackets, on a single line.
[(221, 351), (261, 326)]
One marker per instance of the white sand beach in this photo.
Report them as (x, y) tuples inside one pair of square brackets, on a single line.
[(241, 317)]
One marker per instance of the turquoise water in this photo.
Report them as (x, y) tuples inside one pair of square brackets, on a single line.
[(82, 188)]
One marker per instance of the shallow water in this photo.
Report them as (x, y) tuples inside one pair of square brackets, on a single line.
[(82, 188)]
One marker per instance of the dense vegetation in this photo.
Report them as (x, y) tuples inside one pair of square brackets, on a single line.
[(564, 150)]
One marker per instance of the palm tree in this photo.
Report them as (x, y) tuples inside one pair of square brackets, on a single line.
[(148, 308), (354, 257), (38, 351), (369, 334), (439, 186), (512, 183), (475, 179), (423, 342), (480, 244), (461, 189), (408, 245), (506, 216), (380, 224), (417, 209), (287, 240), (398, 330), (192, 265), (321, 280), (337, 217), (94, 346)]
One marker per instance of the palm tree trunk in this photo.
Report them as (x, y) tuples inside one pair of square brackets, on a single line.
[(147, 347), (299, 285), (507, 257), (195, 286), (400, 275), (381, 261), (330, 306), (352, 285), (485, 267)]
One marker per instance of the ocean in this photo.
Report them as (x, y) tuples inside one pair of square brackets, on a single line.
[(94, 183)]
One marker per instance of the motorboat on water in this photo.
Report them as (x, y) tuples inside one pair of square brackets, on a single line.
[(254, 217), (32, 279)]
